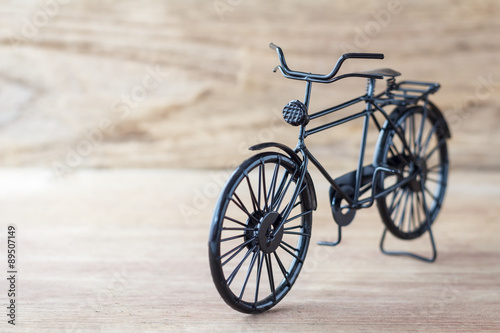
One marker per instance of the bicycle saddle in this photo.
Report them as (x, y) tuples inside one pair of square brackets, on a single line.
[(382, 72)]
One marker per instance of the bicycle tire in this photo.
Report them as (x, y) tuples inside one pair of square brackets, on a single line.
[(250, 206), (410, 209)]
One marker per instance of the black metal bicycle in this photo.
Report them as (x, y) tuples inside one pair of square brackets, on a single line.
[(262, 223)]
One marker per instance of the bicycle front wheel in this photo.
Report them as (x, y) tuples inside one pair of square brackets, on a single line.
[(411, 208), (254, 266)]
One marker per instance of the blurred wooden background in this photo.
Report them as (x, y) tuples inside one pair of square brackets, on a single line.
[(74, 70), (176, 89)]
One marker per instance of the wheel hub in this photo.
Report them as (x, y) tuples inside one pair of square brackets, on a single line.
[(253, 229), (267, 237), (418, 167)]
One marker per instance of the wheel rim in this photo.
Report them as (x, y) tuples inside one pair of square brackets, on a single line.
[(424, 160), (253, 265)]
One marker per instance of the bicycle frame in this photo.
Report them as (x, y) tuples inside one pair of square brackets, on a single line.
[(368, 113), (395, 94), (398, 94)]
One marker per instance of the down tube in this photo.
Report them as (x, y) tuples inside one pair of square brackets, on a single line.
[(362, 148), (327, 176)]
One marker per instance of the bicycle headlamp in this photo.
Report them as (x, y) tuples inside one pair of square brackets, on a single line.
[(295, 113)]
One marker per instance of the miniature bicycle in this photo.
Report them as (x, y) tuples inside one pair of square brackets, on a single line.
[(262, 222)]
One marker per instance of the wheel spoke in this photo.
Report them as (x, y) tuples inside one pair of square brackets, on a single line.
[(259, 271), (395, 209), (412, 133), (289, 246), (435, 181), (232, 238), (291, 253), (421, 131), (395, 194), (400, 132), (241, 206), (411, 216), (434, 167), (398, 155), (239, 229), (403, 212), (269, 267), (281, 186), (249, 272), (297, 233), (260, 186), (291, 228), (264, 191), (255, 203), (438, 146), (272, 186), (237, 269), (424, 205), (402, 137), (418, 210), (282, 194), (282, 268), (237, 249), (235, 221), (297, 216), (296, 204), (419, 207), (428, 139), (430, 193)]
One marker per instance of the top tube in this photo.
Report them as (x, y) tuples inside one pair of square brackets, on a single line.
[(326, 78)]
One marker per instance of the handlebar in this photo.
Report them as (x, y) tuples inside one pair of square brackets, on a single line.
[(327, 78)]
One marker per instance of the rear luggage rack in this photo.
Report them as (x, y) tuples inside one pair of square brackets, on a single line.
[(407, 92)]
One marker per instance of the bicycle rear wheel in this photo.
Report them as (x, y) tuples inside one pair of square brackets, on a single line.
[(411, 208), (252, 269)]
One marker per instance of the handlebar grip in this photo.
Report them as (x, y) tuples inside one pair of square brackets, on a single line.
[(364, 55), (273, 46)]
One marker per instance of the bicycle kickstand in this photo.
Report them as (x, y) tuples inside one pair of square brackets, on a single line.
[(410, 254), (339, 238), (429, 229)]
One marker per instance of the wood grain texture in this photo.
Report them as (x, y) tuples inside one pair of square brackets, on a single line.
[(113, 195), (114, 251), (81, 73)]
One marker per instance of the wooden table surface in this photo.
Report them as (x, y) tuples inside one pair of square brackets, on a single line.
[(115, 251), (125, 250)]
